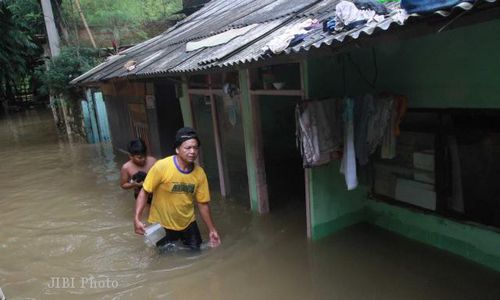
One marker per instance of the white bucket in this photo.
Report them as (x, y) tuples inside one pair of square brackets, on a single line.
[(153, 234)]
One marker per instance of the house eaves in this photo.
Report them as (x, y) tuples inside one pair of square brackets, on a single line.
[(166, 54)]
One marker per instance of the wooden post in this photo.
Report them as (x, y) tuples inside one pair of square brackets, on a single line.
[(66, 118), (221, 164), (256, 170), (185, 101), (304, 85)]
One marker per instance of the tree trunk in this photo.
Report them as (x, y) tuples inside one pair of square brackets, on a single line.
[(85, 23), (9, 94), (54, 109), (61, 23), (64, 107)]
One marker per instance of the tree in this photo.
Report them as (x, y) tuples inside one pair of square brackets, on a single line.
[(71, 62), (19, 53)]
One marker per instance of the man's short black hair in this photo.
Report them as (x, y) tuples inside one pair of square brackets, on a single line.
[(137, 147), (184, 134)]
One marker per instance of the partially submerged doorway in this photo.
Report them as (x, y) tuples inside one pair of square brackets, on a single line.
[(217, 118)]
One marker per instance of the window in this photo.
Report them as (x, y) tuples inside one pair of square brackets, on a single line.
[(411, 176), (447, 161)]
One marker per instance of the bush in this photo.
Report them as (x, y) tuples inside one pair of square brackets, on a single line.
[(71, 63)]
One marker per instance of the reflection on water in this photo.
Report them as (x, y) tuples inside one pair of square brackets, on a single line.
[(67, 233)]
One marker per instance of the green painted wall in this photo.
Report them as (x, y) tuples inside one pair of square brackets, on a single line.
[(453, 69), (470, 241), (332, 206), (457, 68)]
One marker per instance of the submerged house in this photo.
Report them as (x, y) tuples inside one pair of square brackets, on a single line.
[(244, 73)]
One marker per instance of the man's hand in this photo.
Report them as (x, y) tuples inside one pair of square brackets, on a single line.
[(139, 227), (136, 184), (204, 209), (214, 239), (140, 202)]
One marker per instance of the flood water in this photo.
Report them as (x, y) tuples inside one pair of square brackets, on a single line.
[(63, 217)]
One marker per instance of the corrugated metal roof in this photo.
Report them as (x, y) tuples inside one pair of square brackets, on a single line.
[(166, 53), (320, 38)]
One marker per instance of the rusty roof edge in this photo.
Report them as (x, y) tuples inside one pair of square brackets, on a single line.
[(321, 42)]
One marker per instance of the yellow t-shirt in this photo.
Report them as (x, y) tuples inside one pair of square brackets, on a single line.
[(174, 192)]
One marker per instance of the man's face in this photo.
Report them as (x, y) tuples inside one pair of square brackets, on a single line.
[(188, 150), (138, 159)]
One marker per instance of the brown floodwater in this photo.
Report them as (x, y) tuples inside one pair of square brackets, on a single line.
[(67, 233)]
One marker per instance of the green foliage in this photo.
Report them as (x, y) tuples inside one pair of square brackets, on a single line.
[(125, 21), (62, 69), (15, 42), (18, 51), (106, 12), (28, 14)]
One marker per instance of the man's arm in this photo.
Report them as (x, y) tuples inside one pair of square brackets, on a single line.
[(204, 209), (125, 182), (140, 203)]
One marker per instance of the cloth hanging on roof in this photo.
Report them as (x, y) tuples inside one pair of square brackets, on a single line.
[(428, 6), (348, 16), (329, 24), (281, 42), (399, 16), (374, 5)]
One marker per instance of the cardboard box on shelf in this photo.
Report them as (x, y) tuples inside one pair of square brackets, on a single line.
[(424, 160), (416, 193)]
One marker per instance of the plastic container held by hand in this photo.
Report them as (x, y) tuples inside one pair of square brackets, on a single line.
[(153, 234)]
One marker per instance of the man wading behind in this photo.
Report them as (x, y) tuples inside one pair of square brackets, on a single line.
[(176, 182), (134, 171)]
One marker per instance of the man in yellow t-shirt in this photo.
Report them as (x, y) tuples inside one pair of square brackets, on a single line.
[(176, 181)]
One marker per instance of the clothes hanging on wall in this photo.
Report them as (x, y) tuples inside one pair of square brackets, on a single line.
[(350, 128), (364, 109), (378, 122), (306, 136), (318, 131), (398, 110), (348, 164)]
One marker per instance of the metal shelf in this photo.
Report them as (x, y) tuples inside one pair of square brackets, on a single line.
[(277, 92)]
